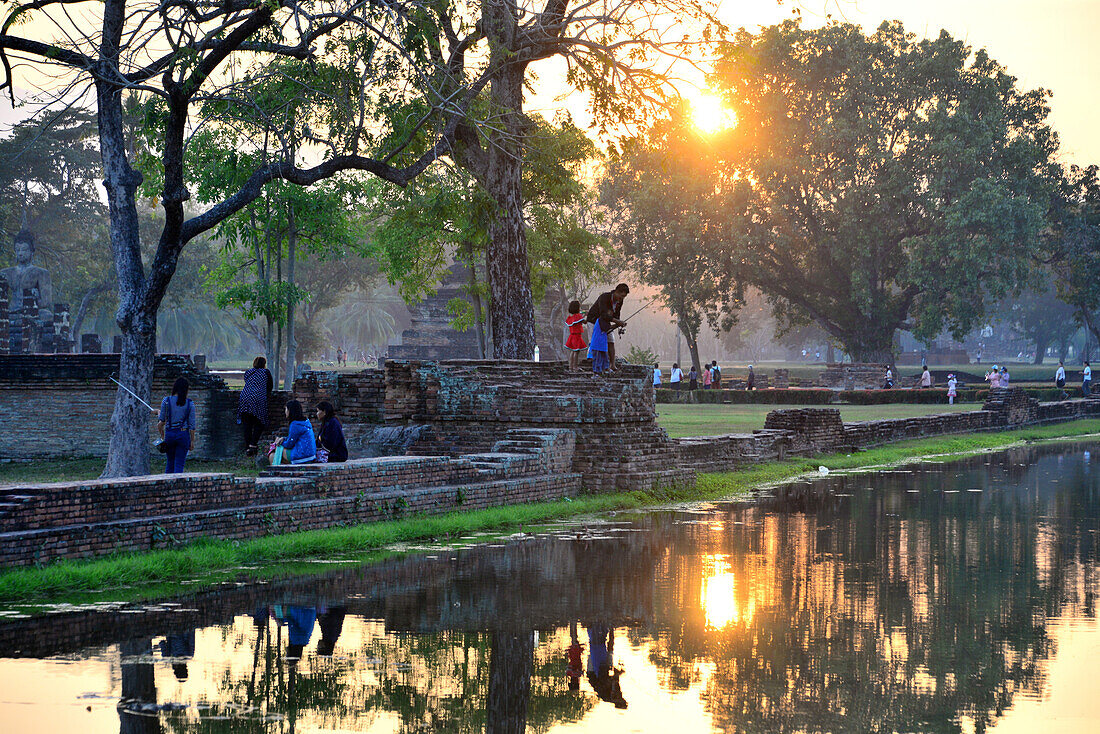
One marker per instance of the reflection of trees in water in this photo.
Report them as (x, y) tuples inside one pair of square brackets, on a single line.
[(437, 682), (893, 612)]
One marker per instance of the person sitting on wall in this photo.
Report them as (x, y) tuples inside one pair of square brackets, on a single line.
[(331, 436), (300, 443)]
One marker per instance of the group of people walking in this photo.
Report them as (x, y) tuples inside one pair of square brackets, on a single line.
[(710, 376), (301, 444)]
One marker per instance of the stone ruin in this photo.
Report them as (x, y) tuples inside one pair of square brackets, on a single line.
[(49, 333), (853, 376), (431, 335)]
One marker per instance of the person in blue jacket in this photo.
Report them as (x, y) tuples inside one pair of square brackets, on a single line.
[(300, 443)]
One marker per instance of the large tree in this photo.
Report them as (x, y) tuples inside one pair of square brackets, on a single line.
[(1074, 244), (882, 182), (186, 55)]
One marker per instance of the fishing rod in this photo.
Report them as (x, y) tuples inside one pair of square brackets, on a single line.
[(622, 329), (150, 407)]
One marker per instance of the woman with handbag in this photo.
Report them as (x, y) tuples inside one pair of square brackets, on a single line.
[(176, 426), (331, 445)]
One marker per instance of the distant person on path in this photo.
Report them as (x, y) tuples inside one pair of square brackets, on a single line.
[(693, 379), (1086, 380), (574, 342), (750, 381), (252, 404), (176, 426), (707, 378), (300, 443), (952, 383), (610, 306), (331, 436), (925, 378), (979, 355), (1060, 379), (993, 377), (676, 377), (716, 375), (656, 375), (888, 380)]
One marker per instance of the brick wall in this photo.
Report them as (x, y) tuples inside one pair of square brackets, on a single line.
[(60, 405), (42, 523), (807, 431)]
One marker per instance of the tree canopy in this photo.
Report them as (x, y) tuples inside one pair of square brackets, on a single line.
[(880, 182)]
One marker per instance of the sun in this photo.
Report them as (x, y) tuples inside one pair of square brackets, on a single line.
[(710, 115)]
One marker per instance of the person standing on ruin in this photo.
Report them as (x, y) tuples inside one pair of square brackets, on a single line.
[(574, 341), (610, 306), (1060, 379), (252, 404), (750, 381), (952, 383), (1086, 380)]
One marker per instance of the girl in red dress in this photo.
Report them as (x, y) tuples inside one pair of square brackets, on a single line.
[(575, 342)]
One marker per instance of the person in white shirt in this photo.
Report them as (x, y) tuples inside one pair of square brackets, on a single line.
[(888, 381), (656, 375), (952, 383), (1060, 380), (677, 376), (926, 378), (1086, 381)]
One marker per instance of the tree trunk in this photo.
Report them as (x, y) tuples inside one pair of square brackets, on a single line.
[(128, 451), (291, 346), (510, 662), (85, 304), (1041, 344), (475, 298), (511, 308), (138, 687)]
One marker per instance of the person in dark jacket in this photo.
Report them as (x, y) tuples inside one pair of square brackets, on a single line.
[(252, 405), (331, 435)]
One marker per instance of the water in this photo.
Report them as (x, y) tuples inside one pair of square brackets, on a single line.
[(946, 598)]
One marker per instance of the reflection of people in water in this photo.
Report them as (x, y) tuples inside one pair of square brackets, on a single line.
[(299, 623), (573, 670), (179, 648), (603, 676), (331, 622)]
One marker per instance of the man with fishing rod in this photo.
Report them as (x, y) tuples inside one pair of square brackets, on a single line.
[(606, 313)]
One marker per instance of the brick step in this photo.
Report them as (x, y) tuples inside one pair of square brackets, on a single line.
[(137, 534)]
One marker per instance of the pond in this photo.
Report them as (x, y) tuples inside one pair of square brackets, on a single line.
[(951, 597)]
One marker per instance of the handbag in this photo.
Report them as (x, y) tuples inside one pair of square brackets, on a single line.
[(322, 456), (277, 457)]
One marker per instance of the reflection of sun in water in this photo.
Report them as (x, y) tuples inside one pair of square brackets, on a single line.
[(719, 595), (710, 115)]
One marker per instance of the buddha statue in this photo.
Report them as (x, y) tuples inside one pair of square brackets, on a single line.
[(26, 276)]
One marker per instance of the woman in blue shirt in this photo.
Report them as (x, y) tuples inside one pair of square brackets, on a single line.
[(300, 443), (176, 426)]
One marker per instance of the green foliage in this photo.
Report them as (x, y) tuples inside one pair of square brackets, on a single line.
[(638, 355), (879, 182)]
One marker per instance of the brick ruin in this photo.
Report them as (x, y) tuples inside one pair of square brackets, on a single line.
[(449, 434), (46, 522), (62, 404), (852, 376), (22, 332), (430, 336)]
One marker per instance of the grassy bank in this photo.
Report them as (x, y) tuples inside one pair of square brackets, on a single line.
[(715, 420), (135, 577)]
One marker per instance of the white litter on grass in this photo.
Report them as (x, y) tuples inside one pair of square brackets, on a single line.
[(822, 470)]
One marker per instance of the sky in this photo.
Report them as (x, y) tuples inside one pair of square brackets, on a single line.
[(1044, 43)]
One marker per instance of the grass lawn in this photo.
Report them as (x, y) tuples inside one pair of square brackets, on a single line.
[(714, 420), (71, 470)]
